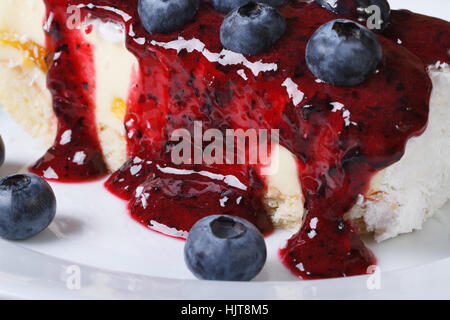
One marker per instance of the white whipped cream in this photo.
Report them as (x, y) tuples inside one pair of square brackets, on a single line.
[(126, 17)]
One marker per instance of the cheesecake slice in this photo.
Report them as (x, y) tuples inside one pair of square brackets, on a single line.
[(112, 71)]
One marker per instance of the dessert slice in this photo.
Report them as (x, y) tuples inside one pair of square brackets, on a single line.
[(117, 93), (402, 196), (113, 82)]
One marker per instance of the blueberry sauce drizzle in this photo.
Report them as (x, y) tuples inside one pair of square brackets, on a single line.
[(336, 158), (71, 81), (426, 37)]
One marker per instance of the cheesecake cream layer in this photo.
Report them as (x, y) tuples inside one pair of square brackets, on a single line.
[(399, 200), (23, 89)]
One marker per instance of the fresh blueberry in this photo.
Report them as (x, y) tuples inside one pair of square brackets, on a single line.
[(252, 28), (343, 53), (222, 247), (27, 206), (226, 6), (165, 16), (376, 19), (2, 151)]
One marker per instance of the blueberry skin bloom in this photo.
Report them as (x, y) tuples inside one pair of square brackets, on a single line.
[(165, 16), (222, 247), (27, 206), (252, 28), (357, 9), (2, 151), (226, 6), (343, 53)]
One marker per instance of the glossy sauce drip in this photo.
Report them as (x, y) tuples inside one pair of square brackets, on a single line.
[(34, 54), (337, 155), (76, 154)]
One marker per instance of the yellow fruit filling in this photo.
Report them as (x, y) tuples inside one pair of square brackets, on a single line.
[(33, 54)]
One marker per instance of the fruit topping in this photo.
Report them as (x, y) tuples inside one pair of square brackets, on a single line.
[(192, 196), (343, 53), (375, 14), (252, 28), (222, 247), (27, 206), (165, 16), (226, 6)]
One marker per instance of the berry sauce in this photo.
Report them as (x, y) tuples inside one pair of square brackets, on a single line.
[(338, 149), (71, 81)]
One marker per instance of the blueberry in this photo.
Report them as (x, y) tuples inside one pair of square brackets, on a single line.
[(362, 11), (226, 6), (343, 53), (165, 16), (27, 206), (2, 151), (252, 28), (222, 247)]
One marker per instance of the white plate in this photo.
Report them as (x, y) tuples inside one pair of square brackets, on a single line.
[(93, 240)]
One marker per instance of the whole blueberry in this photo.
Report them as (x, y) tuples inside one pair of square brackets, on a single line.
[(2, 151), (374, 14), (252, 28), (343, 53), (222, 247), (27, 206), (165, 16), (226, 6)]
